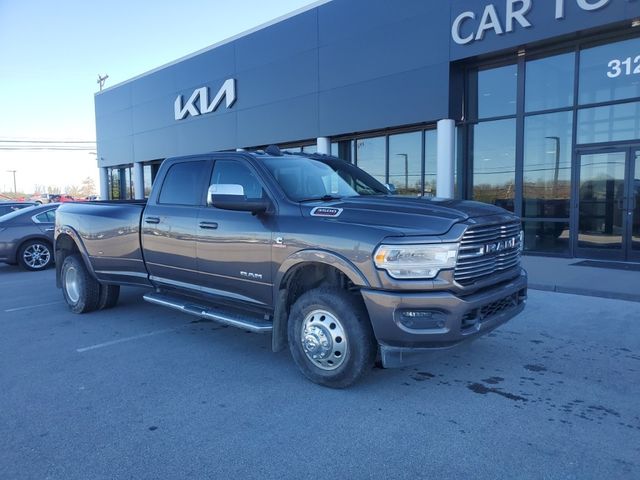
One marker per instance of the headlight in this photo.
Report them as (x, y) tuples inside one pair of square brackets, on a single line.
[(416, 261)]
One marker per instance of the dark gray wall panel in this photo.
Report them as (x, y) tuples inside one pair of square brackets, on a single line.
[(404, 98), (153, 115), (346, 18), (152, 86), (385, 50), (218, 63), (209, 133), (112, 100), (293, 77), (114, 125), (285, 121), (155, 144), (279, 41), (542, 18), (118, 151)]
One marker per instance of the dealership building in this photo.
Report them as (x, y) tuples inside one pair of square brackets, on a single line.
[(532, 105)]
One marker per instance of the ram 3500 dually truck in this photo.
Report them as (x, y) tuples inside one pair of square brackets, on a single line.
[(307, 247)]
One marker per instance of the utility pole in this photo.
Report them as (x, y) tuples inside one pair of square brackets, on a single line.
[(101, 80), (15, 190)]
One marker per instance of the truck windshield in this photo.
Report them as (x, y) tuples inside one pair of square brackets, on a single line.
[(306, 179)]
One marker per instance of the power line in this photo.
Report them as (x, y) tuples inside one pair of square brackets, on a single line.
[(46, 141)]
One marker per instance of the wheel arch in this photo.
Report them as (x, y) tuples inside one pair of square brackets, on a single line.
[(68, 242), (304, 271)]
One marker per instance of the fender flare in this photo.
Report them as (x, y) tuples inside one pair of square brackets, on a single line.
[(280, 317), (77, 240), (320, 256)]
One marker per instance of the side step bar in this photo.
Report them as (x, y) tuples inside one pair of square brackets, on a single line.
[(246, 323)]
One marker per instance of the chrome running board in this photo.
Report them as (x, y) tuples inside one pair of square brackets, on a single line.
[(254, 325)]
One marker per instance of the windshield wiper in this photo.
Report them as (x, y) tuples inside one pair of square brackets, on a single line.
[(324, 198)]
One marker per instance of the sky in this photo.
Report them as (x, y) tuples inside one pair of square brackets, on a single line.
[(52, 52)]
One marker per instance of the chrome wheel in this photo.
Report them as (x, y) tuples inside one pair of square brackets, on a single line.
[(36, 256), (324, 340), (72, 284)]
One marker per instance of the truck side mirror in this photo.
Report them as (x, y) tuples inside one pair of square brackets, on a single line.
[(232, 197)]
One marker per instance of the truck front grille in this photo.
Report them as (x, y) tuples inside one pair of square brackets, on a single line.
[(486, 249)]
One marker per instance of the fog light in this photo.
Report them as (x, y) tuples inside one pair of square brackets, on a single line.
[(422, 319)]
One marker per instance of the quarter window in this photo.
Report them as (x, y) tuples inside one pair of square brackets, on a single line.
[(46, 217)]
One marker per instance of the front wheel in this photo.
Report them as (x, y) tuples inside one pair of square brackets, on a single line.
[(330, 337), (81, 291)]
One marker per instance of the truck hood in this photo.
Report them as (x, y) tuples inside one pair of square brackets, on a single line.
[(401, 215)]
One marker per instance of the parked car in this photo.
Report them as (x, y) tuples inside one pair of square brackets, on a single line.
[(26, 237), (44, 198), (309, 248), (8, 207)]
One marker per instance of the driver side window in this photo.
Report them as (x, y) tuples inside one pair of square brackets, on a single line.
[(232, 172)]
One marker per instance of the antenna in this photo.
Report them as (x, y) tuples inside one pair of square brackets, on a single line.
[(101, 80)]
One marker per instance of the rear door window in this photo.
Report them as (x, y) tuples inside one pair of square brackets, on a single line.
[(183, 184)]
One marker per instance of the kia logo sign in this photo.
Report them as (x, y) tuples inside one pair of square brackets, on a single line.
[(198, 103)]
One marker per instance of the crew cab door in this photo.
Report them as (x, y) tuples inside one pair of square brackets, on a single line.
[(234, 247), (169, 225)]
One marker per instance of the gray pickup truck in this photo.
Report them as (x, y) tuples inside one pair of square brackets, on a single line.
[(308, 248)]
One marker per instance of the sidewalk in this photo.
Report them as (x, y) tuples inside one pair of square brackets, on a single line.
[(565, 275)]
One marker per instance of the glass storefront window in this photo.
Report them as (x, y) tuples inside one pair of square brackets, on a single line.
[(148, 181), (547, 165), (430, 162), (371, 157), (548, 237), (405, 163), (610, 72), (310, 149), (493, 92), (494, 162), (549, 82), (115, 183), (609, 124)]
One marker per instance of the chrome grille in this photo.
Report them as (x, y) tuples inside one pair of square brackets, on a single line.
[(486, 249)]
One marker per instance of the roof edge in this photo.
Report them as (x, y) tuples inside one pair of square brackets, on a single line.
[(276, 20)]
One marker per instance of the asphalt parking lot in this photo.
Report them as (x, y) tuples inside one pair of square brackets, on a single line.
[(143, 392)]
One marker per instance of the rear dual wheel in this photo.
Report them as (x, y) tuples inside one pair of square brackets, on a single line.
[(81, 291)]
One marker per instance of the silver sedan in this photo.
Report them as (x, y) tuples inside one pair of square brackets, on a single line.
[(26, 237)]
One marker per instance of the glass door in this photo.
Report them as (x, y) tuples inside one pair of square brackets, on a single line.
[(634, 205), (608, 204)]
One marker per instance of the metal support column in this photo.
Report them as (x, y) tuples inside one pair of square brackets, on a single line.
[(446, 159)]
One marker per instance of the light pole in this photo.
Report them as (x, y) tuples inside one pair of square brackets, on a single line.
[(15, 190), (406, 169)]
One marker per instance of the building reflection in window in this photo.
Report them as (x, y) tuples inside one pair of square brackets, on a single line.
[(405, 163), (494, 162)]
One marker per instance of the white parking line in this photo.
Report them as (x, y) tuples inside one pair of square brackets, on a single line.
[(33, 306), (127, 339)]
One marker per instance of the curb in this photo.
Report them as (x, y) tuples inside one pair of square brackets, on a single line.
[(630, 297)]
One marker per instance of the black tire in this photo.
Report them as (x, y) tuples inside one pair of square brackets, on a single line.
[(35, 255), (359, 344), (108, 296), (81, 291)]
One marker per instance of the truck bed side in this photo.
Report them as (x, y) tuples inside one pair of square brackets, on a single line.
[(107, 234)]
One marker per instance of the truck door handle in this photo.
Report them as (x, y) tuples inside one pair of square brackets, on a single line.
[(152, 220), (208, 225)]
